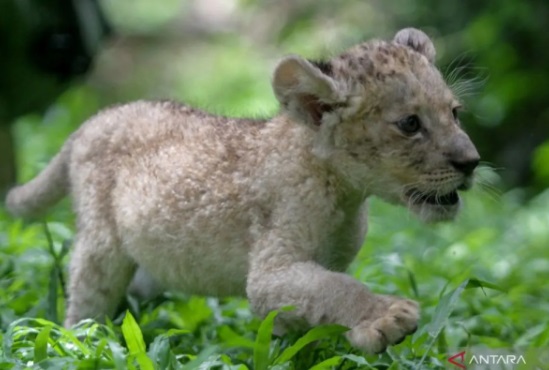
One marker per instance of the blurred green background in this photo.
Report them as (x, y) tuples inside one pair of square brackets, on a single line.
[(219, 54)]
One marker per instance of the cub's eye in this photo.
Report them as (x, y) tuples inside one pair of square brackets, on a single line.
[(409, 125)]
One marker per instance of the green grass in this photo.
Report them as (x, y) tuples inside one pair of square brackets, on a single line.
[(481, 282)]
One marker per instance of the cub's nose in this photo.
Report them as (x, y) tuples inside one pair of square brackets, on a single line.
[(463, 155), (465, 165)]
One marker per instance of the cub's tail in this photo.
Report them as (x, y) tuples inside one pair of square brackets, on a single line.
[(46, 189)]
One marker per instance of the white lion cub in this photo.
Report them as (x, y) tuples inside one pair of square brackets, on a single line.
[(271, 209)]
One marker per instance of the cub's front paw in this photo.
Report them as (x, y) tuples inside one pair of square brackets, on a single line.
[(390, 327)]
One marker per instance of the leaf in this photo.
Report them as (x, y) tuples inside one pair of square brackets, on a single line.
[(477, 283), (201, 358), (145, 363), (100, 348), (190, 314), (118, 355), (525, 340), (81, 347), (312, 335), (328, 364), (443, 311), (263, 341), (132, 335), (173, 332), (232, 339), (540, 163), (413, 283), (159, 351), (41, 344), (359, 361), (134, 341)]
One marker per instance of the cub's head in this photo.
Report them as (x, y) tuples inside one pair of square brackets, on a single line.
[(385, 120)]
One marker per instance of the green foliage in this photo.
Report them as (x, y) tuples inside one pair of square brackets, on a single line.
[(262, 343), (541, 163)]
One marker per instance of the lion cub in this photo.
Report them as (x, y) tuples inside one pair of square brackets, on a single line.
[(274, 209)]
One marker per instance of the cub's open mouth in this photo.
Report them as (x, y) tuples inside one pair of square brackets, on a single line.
[(419, 197)]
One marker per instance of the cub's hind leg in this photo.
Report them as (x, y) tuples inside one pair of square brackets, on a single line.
[(100, 272)]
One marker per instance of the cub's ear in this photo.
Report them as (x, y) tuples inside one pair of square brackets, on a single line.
[(303, 89), (417, 40)]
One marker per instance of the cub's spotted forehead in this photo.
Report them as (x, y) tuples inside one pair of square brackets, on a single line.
[(374, 60), (378, 65)]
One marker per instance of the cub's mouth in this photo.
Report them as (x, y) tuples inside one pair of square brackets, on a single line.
[(419, 197), (432, 206)]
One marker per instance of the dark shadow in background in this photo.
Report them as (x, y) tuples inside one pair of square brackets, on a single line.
[(44, 46)]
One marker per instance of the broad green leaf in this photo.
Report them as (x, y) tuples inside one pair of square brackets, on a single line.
[(159, 351), (232, 339), (132, 335), (41, 344), (312, 335), (263, 342), (358, 360), (201, 358), (190, 314), (118, 355), (134, 341), (144, 361)]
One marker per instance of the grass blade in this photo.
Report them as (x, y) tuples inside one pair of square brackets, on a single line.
[(41, 344), (263, 342), (328, 364), (312, 335), (445, 308)]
